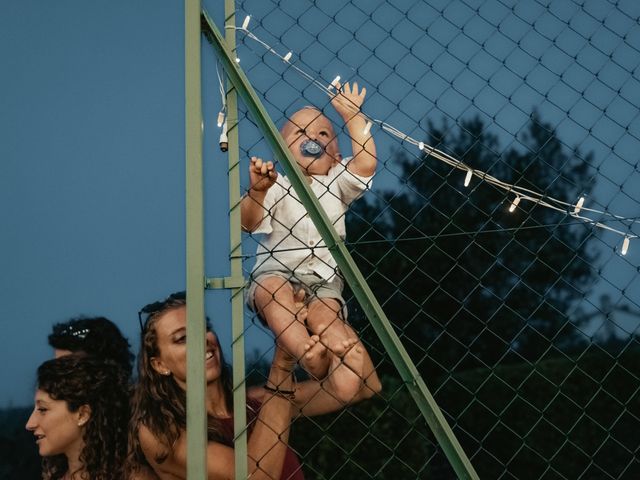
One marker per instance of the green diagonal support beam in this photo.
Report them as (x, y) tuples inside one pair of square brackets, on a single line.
[(407, 370)]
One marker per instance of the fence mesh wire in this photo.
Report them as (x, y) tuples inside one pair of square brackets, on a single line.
[(523, 324)]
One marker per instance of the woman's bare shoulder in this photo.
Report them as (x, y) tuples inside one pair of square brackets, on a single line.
[(147, 438), (165, 461)]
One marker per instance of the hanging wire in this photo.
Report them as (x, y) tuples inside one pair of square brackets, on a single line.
[(521, 193)]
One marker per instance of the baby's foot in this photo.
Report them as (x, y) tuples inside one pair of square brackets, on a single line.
[(338, 342), (315, 358)]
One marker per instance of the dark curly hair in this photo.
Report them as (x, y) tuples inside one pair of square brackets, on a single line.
[(103, 385), (159, 403), (97, 336)]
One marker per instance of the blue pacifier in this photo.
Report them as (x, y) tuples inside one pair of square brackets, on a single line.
[(311, 148)]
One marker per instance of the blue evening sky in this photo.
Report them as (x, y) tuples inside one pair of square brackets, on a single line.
[(91, 171), (92, 132)]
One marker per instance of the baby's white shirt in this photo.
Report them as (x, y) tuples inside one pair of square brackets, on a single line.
[(291, 243)]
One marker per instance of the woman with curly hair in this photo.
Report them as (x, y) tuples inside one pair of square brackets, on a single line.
[(157, 429), (80, 418)]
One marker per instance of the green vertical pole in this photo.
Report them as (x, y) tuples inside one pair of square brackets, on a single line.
[(235, 242), (196, 413), (407, 370)]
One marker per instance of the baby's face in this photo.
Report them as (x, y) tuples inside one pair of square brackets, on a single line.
[(310, 124)]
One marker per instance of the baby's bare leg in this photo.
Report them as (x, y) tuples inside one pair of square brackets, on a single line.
[(346, 377), (345, 374), (324, 319), (274, 300)]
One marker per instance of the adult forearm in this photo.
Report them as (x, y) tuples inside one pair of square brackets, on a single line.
[(316, 398), (268, 442), (371, 381)]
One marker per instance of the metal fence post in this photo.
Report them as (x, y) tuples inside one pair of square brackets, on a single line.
[(196, 413), (235, 243)]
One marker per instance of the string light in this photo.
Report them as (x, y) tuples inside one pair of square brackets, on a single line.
[(521, 192), (367, 128), (625, 246), (245, 24), (467, 178), (224, 139), (223, 98), (515, 203)]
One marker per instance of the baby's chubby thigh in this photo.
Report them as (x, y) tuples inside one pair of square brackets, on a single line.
[(323, 312), (273, 293)]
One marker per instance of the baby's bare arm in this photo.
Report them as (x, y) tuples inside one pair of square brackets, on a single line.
[(347, 103), (262, 176)]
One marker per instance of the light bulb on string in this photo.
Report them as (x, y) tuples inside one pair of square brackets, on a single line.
[(224, 139), (245, 24), (287, 57), (367, 128), (539, 198), (625, 246), (467, 178), (514, 204), (220, 119)]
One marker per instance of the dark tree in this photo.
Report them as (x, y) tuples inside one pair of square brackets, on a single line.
[(465, 282), (19, 457)]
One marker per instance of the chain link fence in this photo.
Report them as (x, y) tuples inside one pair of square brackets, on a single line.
[(518, 300)]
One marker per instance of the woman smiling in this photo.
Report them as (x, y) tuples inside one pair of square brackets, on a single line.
[(80, 418), (158, 426)]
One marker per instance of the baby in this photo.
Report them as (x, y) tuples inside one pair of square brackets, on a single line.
[(292, 256)]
